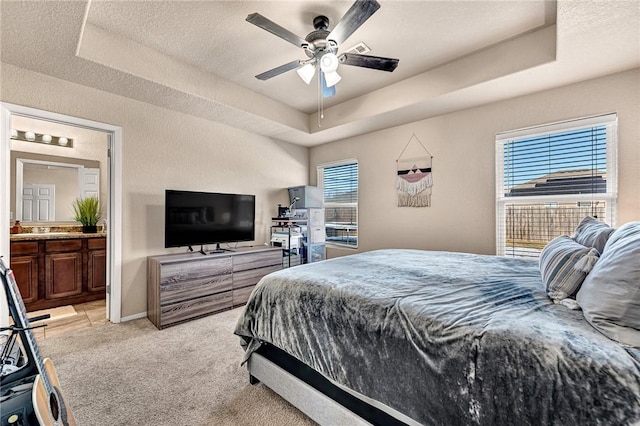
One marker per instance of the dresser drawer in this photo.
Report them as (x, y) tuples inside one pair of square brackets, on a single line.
[(252, 276), (260, 259), (173, 292), (188, 271), (241, 295), (177, 312)]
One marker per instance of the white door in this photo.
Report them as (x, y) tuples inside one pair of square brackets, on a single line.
[(38, 202), (89, 182)]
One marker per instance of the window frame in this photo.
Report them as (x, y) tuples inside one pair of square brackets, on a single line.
[(320, 178), (610, 121)]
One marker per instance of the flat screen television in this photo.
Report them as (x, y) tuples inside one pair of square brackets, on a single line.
[(199, 218)]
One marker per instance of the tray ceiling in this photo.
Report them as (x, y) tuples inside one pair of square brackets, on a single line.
[(200, 57)]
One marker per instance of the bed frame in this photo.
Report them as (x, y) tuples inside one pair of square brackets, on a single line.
[(322, 400)]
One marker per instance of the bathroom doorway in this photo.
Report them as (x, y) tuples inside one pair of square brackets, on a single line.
[(45, 151)]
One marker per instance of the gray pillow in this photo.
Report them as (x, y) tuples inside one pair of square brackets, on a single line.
[(610, 295), (593, 233), (564, 264)]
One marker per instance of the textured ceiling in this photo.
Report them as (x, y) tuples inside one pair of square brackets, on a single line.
[(214, 36), (200, 57)]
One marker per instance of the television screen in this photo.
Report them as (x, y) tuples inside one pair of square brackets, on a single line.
[(198, 218)]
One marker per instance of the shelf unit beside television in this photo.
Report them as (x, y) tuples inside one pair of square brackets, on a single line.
[(182, 287), (287, 233)]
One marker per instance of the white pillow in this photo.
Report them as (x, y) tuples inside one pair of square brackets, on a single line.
[(592, 233), (610, 295)]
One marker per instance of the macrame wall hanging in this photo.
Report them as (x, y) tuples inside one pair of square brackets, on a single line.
[(414, 181)]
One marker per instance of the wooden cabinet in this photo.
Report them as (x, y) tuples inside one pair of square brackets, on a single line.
[(181, 287), (57, 272), (24, 263), (63, 275), (97, 265), (63, 268)]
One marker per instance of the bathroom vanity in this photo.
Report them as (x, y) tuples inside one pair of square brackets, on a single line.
[(57, 269)]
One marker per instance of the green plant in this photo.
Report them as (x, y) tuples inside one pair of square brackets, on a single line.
[(86, 211)]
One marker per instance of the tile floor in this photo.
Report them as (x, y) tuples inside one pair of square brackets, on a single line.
[(86, 315)]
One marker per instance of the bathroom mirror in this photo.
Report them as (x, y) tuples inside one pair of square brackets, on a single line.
[(44, 186)]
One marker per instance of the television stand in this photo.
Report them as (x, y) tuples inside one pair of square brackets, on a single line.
[(219, 249), (184, 286)]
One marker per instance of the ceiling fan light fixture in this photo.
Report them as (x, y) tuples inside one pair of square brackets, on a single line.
[(329, 63), (332, 78), (306, 72)]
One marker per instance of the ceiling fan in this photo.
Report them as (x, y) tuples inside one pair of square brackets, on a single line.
[(321, 47)]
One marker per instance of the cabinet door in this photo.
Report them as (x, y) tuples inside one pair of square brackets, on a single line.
[(63, 276), (97, 271), (25, 268)]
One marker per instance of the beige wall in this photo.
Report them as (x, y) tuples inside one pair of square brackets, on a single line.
[(164, 149), (462, 216)]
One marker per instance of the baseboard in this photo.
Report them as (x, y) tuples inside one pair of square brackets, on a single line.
[(133, 317)]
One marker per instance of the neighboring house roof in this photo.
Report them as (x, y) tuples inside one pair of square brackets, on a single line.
[(563, 182)]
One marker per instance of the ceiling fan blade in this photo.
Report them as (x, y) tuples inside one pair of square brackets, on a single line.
[(275, 29), (359, 12), (368, 61), (279, 70)]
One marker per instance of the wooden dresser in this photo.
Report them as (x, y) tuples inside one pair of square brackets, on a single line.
[(182, 287)]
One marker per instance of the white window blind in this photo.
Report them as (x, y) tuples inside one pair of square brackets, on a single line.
[(550, 177), (339, 183)]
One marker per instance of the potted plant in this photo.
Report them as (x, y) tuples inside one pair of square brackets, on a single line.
[(87, 211)]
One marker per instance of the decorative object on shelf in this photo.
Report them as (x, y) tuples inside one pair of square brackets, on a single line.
[(87, 212), (28, 136), (16, 228), (414, 180)]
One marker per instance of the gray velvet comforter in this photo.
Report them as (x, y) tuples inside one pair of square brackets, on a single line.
[(447, 339)]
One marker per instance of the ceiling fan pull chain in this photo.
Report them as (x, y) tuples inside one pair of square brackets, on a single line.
[(320, 100)]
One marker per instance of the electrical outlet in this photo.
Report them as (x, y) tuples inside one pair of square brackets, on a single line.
[(11, 215)]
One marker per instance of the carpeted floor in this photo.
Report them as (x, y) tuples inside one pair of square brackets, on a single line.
[(190, 374)]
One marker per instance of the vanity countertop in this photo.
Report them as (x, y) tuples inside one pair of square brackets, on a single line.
[(54, 236)]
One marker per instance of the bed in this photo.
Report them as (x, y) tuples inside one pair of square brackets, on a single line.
[(434, 338)]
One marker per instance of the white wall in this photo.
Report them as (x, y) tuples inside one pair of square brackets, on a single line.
[(462, 216), (164, 149)]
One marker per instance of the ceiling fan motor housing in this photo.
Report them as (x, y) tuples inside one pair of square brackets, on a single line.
[(318, 43), (321, 22)]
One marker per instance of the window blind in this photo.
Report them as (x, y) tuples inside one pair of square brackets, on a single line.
[(547, 181), (340, 192)]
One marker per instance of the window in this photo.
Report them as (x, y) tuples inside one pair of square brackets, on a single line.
[(549, 177), (339, 183)]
